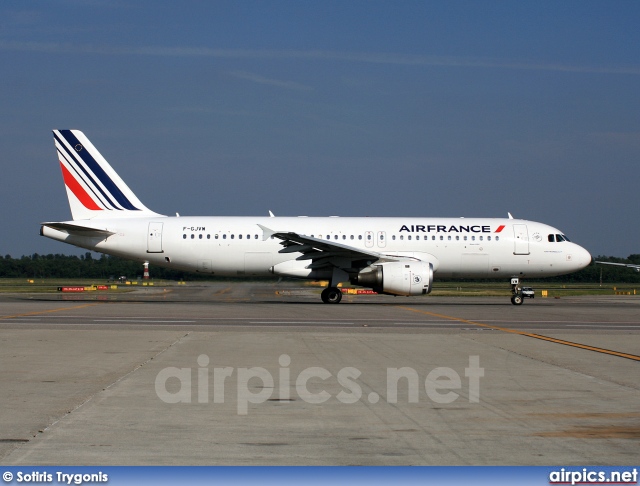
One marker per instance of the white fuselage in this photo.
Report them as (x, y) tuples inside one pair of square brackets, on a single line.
[(235, 246)]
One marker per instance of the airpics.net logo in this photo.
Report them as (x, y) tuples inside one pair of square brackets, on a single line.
[(591, 476), (257, 385)]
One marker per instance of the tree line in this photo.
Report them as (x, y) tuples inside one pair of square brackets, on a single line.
[(608, 273), (106, 267), (84, 266)]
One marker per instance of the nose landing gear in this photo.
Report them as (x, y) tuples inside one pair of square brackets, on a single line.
[(516, 292)]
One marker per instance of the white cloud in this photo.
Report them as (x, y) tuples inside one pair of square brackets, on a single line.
[(256, 78), (354, 57)]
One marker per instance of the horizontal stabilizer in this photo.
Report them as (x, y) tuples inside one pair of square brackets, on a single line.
[(78, 230)]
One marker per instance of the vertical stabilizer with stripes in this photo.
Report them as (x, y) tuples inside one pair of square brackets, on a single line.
[(93, 187)]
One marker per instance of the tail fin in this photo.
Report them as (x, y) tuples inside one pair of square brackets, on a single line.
[(93, 187)]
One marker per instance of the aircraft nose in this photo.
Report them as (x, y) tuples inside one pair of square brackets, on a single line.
[(582, 257)]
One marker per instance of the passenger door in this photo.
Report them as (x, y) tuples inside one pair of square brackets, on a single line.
[(521, 239), (154, 238)]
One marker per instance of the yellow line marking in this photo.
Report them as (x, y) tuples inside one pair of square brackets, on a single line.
[(226, 290), (528, 334), (49, 311)]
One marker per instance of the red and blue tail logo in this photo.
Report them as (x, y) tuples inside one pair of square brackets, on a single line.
[(93, 187)]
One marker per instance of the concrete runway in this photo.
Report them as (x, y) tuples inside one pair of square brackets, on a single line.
[(88, 378)]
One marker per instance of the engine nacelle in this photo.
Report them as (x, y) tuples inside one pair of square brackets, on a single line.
[(397, 278)]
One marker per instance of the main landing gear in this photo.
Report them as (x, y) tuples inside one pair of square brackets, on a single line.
[(331, 295), (516, 292)]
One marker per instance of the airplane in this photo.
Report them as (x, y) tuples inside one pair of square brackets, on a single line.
[(394, 256), (636, 267)]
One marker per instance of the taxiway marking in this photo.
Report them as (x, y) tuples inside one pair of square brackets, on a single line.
[(528, 334)]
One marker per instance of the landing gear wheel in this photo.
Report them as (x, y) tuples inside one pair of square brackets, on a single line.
[(331, 295), (516, 291)]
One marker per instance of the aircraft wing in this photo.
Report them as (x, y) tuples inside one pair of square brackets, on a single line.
[(324, 253), (628, 265)]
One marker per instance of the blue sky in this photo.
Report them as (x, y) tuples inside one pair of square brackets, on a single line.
[(350, 108)]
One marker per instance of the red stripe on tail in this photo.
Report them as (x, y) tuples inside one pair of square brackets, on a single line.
[(78, 190)]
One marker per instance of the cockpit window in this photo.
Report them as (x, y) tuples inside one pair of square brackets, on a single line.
[(565, 238), (559, 238), (552, 238)]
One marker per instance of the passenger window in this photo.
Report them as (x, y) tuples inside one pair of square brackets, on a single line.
[(224, 237), (368, 237), (417, 237), (352, 237), (255, 237), (433, 238), (409, 237), (200, 236), (449, 237), (480, 238), (233, 236), (208, 237), (359, 237), (473, 238), (402, 237), (216, 236), (239, 237), (497, 238), (457, 237), (393, 237), (193, 236), (184, 237), (488, 238), (441, 237), (465, 237), (344, 237), (335, 237), (381, 237), (328, 237)]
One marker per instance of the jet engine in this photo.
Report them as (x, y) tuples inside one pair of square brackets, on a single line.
[(397, 278)]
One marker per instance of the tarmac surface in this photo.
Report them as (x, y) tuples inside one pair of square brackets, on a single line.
[(259, 373)]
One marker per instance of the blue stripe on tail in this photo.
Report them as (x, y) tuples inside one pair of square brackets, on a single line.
[(97, 170), (82, 174)]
